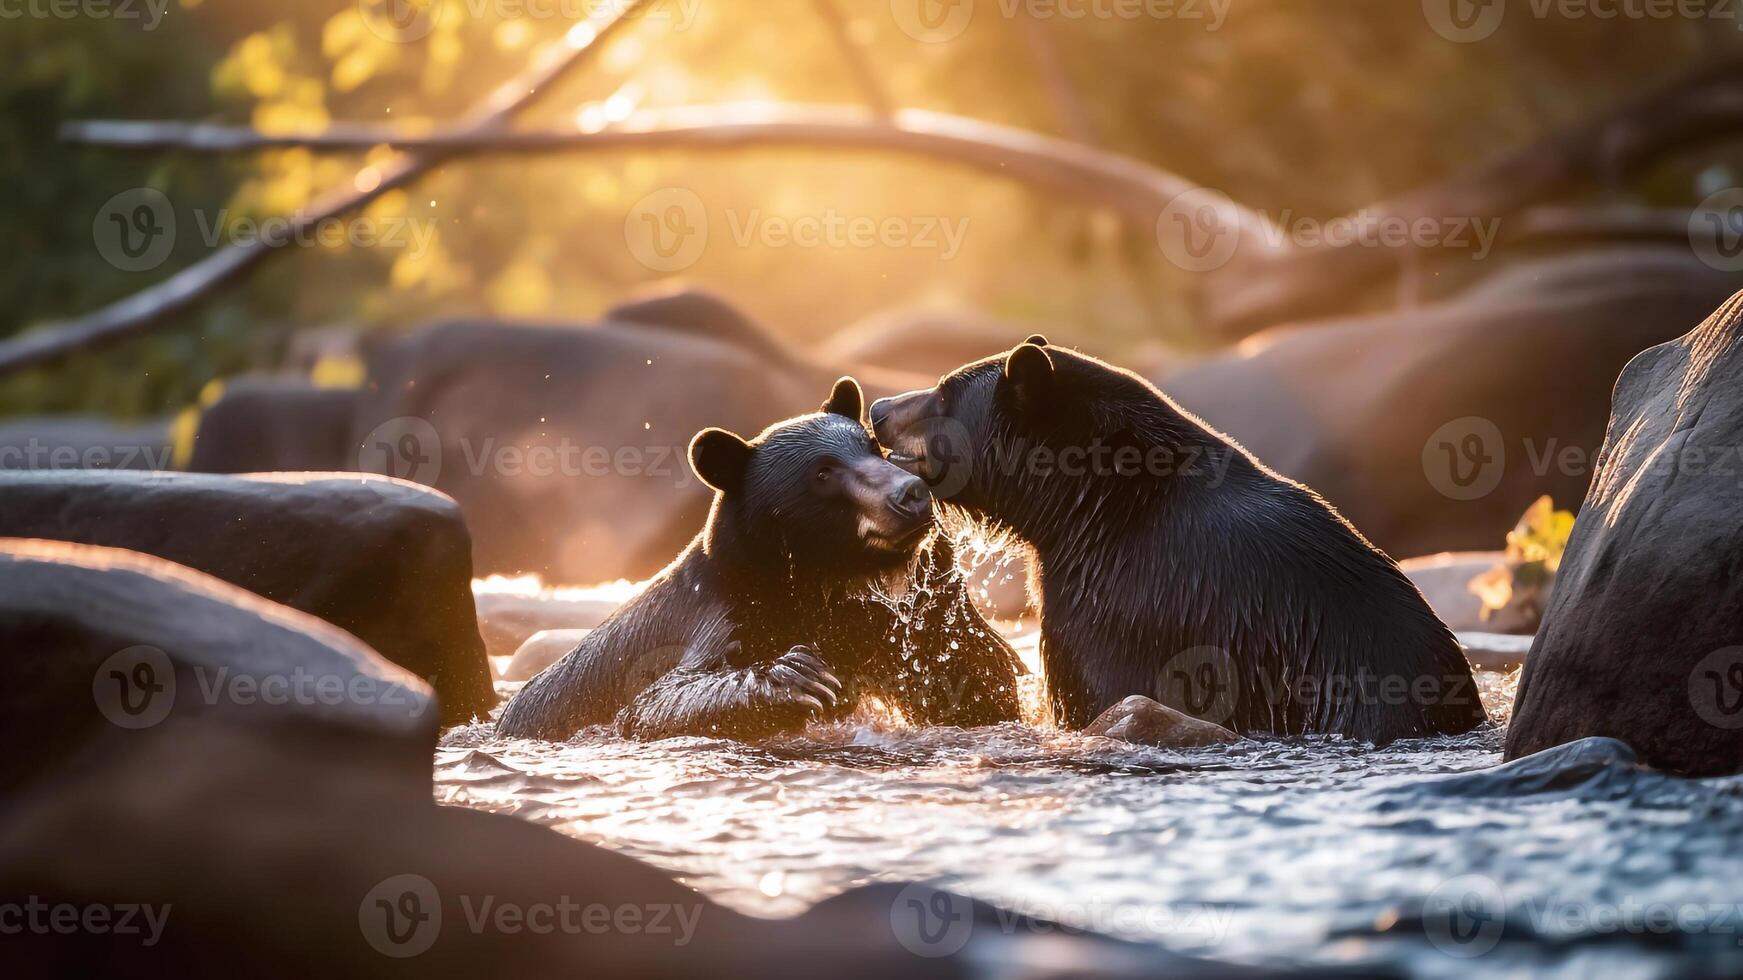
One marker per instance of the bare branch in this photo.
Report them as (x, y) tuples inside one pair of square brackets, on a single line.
[(1264, 288), (1135, 189)]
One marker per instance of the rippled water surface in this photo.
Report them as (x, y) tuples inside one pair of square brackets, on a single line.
[(1289, 851)]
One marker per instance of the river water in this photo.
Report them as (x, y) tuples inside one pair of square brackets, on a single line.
[(1286, 851)]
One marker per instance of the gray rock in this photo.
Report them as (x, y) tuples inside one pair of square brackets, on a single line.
[(387, 561), (507, 620), (263, 424), (1502, 652), (541, 650), (79, 443), (1445, 581), (1640, 640), (1366, 409), (1148, 722), (102, 647)]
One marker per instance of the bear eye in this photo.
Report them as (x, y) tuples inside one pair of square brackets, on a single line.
[(825, 472)]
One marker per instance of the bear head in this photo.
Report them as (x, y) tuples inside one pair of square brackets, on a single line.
[(1020, 437), (813, 493)]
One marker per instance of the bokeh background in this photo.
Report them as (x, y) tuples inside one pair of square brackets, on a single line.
[(1312, 107)]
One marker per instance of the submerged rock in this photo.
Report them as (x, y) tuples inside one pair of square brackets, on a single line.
[(387, 561), (1148, 722), (1640, 640)]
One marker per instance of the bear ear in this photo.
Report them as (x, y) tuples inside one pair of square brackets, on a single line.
[(1029, 371), (720, 458), (1037, 340), (846, 400)]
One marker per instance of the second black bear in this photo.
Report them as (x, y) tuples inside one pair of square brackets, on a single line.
[(743, 634), (1173, 564)]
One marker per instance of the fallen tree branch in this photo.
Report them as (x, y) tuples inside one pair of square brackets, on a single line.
[(154, 305), (1135, 189), (1297, 282)]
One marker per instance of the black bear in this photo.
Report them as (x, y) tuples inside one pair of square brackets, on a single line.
[(1173, 564), (741, 635)]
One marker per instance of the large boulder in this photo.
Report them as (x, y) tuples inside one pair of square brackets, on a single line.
[(926, 342), (567, 445), (82, 443), (1433, 429), (386, 560), (1643, 637), (102, 647), (269, 424)]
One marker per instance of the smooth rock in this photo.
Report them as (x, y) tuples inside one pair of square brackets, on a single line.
[(267, 424), (1502, 652), (541, 650), (507, 620), (385, 560), (1445, 581), (102, 647), (1148, 722), (1432, 429), (1641, 640)]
